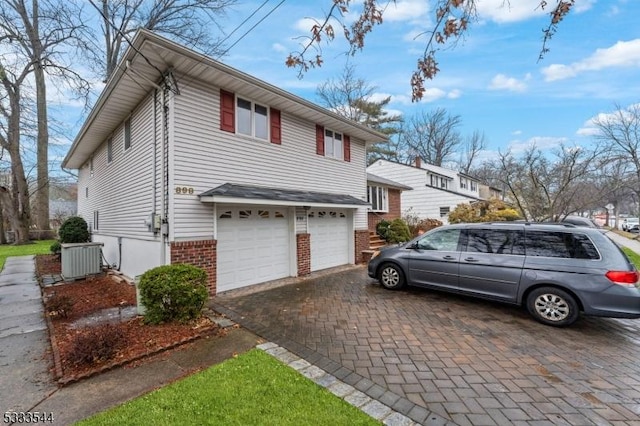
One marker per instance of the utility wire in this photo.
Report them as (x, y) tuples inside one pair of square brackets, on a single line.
[(252, 28), (123, 35), (244, 22)]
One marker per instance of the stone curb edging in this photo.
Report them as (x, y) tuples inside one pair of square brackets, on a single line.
[(365, 403)]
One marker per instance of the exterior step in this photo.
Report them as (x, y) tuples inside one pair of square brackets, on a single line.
[(375, 242)]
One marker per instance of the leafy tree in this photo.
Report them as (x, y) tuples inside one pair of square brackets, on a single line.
[(352, 98), (452, 21), (188, 21), (545, 187), (493, 210), (433, 136), (619, 134)]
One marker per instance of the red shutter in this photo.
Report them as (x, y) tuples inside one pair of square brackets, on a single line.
[(276, 129), (347, 148), (227, 112), (319, 139)]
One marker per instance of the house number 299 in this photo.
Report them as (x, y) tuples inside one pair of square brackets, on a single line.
[(184, 190)]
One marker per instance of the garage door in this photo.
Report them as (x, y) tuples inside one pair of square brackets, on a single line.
[(253, 246), (329, 233)]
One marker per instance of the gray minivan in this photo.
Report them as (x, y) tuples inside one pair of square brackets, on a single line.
[(555, 270)]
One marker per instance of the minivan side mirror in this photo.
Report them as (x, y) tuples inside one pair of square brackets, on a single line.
[(413, 246)]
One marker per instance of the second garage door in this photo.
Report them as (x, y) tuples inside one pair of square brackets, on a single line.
[(253, 246), (329, 233)]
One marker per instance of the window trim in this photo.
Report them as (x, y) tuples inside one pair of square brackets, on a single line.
[(338, 154), (381, 196), (252, 124), (127, 134)]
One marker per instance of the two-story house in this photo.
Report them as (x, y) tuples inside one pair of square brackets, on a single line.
[(184, 159), (436, 191)]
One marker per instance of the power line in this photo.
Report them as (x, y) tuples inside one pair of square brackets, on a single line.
[(244, 22), (252, 28)]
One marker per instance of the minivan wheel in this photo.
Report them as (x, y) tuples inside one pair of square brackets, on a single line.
[(552, 306), (391, 276)]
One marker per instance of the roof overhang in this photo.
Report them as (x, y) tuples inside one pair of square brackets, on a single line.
[(378, 180), (256, 195), (151, 57)]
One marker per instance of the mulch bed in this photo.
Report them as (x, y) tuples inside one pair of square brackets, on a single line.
[(78, 301)]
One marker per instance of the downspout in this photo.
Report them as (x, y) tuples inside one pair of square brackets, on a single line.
[(165, 170)]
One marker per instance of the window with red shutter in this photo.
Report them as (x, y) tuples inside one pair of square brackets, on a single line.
[(227, 112), (347, 148), (276, 127), (319, 139)]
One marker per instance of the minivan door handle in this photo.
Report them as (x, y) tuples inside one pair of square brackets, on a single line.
[(470, 259), (449, 258)]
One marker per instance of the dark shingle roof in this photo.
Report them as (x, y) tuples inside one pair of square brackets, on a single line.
[(261, 193)]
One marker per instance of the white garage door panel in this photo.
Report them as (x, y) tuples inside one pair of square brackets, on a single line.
[(329, 233), (253, 246)]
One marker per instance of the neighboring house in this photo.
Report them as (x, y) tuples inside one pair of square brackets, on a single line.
[(384, 197), (490, 192), (186, 160), (436, 190)]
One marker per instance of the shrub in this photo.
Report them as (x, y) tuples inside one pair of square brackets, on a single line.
[(398, 231), (393, 232), (382, 228), (74, 230), (59, 306), (56, 248), (96, 344), (173, 292)]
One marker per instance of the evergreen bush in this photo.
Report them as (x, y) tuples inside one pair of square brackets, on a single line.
[(173, 293), (74, 230)]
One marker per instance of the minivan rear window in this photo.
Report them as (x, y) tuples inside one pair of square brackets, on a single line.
[(560, 244)]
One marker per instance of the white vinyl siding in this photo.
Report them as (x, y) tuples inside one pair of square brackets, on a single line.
[(205, 157), (424, 200), (122, 191)]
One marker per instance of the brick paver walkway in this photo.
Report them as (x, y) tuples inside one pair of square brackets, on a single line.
[(427, 353)]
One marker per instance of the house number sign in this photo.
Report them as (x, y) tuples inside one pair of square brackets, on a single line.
[(184, 190)]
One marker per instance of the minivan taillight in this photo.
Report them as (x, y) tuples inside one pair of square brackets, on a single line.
[(628, 278)]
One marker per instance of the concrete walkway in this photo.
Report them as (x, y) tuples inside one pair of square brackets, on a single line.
[(24, 341), (624, 241)]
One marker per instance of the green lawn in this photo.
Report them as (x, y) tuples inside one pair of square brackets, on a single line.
[(252, 389), (635, 257), (38, 247)]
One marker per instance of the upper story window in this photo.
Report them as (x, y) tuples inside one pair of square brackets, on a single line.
[(377, 197), (109, 150), (463, 183), (252, 119), (438, 181), (333, 144), (249, 118), (330, 143), (127, 134), (474, 186)]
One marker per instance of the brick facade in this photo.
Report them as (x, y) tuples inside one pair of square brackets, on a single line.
[(303, 251), (393, 196), (361, 243), (198, 253)]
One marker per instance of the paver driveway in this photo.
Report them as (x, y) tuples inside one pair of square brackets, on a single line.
[(469, 361)]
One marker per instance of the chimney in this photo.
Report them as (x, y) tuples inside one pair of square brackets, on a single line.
[(418, 162)]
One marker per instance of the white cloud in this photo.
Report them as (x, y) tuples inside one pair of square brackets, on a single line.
[(620, 55), (454, 94), (514, 11), (590, 129), (277, 47), (503, 82), (405, 10)]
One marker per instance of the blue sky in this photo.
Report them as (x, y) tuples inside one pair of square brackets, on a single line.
[(492, 78)]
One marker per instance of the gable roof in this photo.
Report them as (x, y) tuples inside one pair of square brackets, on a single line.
[(387, 182), (141, 69)]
